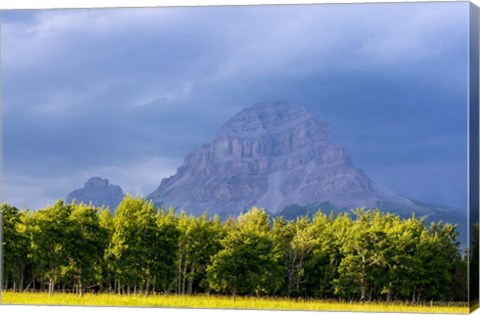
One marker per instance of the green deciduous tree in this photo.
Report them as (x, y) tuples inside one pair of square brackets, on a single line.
[(282, 235), (16, 246), (247, 262), (50, 242), (134, 229), (437, 255), (164, 251), (366, 251), (105, 219), (322, 267), (300, 249), (87, 241), (199, 241), (144, 244)]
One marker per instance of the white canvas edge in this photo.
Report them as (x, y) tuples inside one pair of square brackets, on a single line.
[(62, 4)]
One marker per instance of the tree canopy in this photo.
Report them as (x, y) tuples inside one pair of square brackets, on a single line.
[(364, 254)]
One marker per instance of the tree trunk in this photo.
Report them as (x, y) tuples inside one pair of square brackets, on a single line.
[(4, 285), (80, 287), (299, 268), (179, 276), (389, 293), (190, 279), (22, 278), (153, 288), (184, 280), (147, 287), (363, 287), (51, 285)]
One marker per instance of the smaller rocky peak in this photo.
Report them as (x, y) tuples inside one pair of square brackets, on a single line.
[(99, 192)]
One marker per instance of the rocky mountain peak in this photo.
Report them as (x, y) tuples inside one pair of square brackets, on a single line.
[(261, 139), (96, 182), (99, 192), (272, 155), (270, 129), (269, 118)]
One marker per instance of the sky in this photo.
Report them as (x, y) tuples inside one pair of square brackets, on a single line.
[(125, 94)]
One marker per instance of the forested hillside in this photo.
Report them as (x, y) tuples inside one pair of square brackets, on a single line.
[(359, 255)]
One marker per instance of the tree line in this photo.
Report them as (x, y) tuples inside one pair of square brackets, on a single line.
[(360, 255)]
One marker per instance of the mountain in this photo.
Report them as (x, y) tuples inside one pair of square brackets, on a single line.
[(99, 192), (279, 157)]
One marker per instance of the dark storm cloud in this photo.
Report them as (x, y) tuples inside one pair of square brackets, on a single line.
[(126, 93)]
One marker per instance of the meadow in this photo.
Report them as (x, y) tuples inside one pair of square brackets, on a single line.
[(224, 302)]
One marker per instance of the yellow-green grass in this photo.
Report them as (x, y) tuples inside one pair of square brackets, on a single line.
[(225, 302)]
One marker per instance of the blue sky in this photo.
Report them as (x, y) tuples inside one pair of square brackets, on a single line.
[(127, 93)]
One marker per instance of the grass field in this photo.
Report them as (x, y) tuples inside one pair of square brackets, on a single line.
[(205, 301)]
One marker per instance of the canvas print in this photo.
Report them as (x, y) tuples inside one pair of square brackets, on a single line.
[(291, 157)]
